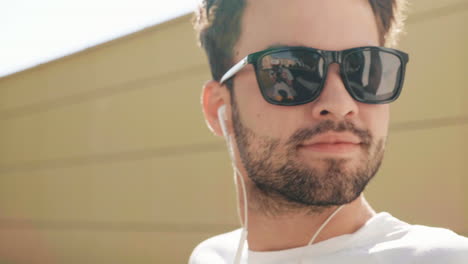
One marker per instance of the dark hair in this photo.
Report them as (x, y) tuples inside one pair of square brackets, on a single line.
[(218, 26)]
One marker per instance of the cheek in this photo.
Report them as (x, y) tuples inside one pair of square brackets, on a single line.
[(376, 118), (260, 116)]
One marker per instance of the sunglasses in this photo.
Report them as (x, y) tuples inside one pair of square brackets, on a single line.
[(296, 75)]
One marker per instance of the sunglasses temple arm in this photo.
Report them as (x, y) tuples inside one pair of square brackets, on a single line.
[(235, 69)]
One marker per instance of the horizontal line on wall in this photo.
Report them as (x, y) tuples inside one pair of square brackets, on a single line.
[(429, 123), (192, 149), (50, 225), (112, 157), (10, 224), (438, 12), (100, 93), (114, 227)]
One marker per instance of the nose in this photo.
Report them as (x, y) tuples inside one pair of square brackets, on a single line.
[(334, 102)]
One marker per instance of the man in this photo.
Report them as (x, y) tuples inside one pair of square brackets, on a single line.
[(302, 164)]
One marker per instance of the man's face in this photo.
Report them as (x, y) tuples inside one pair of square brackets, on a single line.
[(323, 152)]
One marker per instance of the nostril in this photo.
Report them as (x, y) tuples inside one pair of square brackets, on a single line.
[(324, 112)]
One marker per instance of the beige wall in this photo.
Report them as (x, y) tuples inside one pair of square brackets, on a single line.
[(105, 157)]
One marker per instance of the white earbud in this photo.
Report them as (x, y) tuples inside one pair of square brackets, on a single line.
[(222, 119)]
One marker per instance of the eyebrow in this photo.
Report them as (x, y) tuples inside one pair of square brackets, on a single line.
[(279, 45)]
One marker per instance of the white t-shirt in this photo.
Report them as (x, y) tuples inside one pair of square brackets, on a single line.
[(383, 239)]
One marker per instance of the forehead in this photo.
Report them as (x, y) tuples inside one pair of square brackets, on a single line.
[(322, 24)]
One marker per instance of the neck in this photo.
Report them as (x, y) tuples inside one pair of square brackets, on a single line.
[(295, 229)]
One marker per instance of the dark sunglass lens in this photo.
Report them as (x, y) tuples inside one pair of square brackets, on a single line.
[(373, 75), (290, 77)]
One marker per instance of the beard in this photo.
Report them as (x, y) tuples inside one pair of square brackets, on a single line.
[(284, 183)]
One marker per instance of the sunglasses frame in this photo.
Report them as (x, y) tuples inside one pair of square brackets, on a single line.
[(329, 56)]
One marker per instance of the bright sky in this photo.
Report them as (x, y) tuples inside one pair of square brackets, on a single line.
[(36, 31)]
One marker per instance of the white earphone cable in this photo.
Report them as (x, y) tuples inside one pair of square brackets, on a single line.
[(243, 238), (320, 230), (244, 233), (237, 175), (324, 224)]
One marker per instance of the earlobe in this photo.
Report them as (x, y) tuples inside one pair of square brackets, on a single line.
[(214, 96)]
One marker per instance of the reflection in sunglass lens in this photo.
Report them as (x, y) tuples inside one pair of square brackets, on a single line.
[(372, 75), (290, 77)]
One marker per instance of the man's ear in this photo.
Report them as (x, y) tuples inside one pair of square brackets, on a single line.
[(214, 95)]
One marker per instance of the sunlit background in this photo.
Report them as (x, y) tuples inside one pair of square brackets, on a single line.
[(34, 32), (105, 156)]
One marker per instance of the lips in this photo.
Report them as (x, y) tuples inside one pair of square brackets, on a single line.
[(333, 143), (334, 138)]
